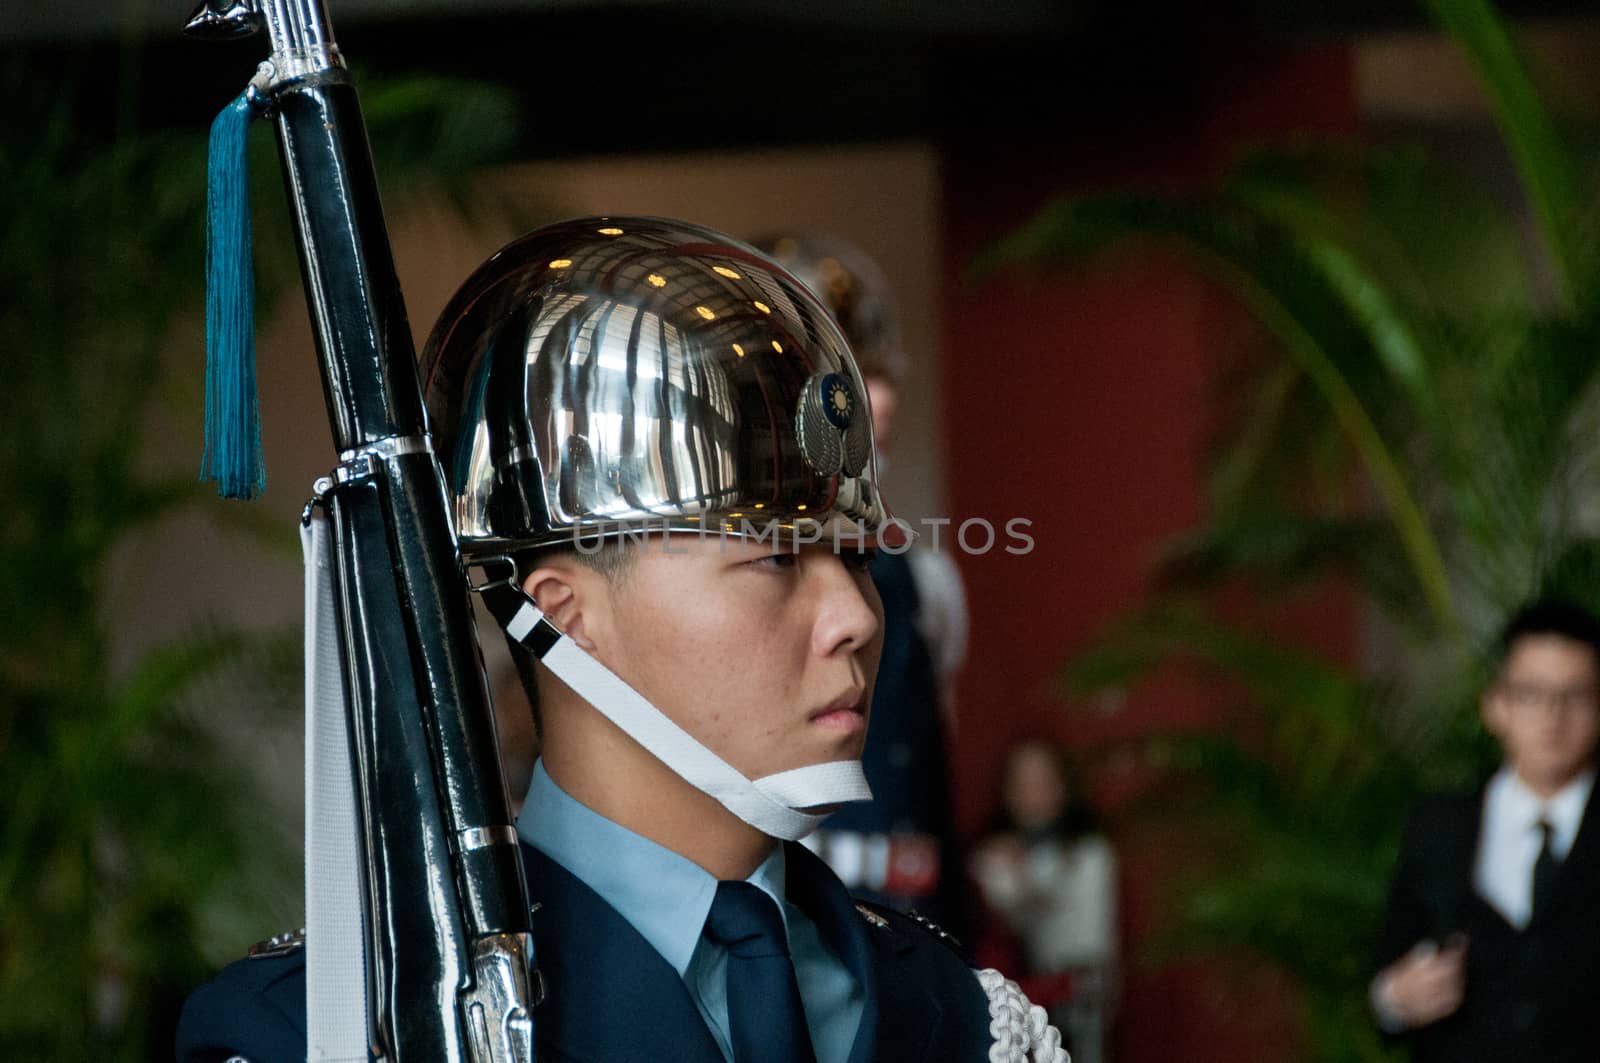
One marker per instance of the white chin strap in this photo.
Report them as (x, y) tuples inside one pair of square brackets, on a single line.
[(775, 805)]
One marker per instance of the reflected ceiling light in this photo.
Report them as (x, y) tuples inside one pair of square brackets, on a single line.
[(724, 271), (705, 312), (763, 307), (738, 350), (656, 280), (560, 263), (801, 506), (777, 346), (735, 514), (609, 232), (761, 505)]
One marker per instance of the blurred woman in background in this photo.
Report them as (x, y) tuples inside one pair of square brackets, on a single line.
[(1049, 875)]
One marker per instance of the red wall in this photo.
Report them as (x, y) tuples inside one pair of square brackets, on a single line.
[(1081, 400)]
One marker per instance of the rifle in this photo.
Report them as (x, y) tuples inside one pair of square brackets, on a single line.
[(448, 937)]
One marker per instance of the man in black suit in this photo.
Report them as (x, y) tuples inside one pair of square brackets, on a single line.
[(1490, 949)]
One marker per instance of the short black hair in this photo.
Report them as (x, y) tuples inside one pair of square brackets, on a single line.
[(611, 557), (1552, 616)]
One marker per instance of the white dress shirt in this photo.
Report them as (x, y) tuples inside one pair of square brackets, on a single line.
[(1510, 839)]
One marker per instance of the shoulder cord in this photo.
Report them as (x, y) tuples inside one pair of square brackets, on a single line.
[(1022, 1033)]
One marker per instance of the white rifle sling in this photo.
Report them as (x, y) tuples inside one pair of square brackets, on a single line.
[(338, 1019)]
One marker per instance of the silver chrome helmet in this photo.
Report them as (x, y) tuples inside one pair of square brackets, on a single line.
[(613, 373)]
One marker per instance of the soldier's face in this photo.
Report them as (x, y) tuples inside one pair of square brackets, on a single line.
[(765, 655), (1545, 709)]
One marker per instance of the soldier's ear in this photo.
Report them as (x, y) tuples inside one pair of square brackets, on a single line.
[(564, 594)]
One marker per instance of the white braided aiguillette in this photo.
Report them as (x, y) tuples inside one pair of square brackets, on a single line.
[(1022, 1032)]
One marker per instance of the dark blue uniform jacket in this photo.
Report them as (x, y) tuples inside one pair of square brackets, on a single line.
[(613, 999)]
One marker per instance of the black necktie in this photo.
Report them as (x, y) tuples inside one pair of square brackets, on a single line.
[(766, 1021), (1544, 872)]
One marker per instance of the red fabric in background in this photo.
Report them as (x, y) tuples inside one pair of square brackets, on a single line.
[(1082, 401)]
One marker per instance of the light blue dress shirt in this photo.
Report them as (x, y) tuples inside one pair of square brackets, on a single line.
[(666, 898)]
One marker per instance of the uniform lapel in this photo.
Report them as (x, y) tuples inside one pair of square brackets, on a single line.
[(901, 1018), (1456, 882), (911, 1019), (611, 997), (817, 892)]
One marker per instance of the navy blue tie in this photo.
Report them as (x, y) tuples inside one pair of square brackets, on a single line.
[(766, 1020)]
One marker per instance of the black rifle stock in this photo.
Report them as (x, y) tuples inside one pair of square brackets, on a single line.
[(448, 919)]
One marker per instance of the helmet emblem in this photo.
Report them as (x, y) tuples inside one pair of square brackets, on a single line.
[(832, 438), (838, 402)]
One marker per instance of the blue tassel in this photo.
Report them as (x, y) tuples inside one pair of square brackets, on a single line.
[(233, 416)]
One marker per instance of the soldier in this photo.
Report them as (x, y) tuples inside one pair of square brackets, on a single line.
[(666, 438)]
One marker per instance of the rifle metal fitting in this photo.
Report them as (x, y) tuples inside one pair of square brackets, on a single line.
[(299, 31), (489, 566), (483, 837), (362, 468), (319, 497), (302, 38), (499, 1027), (259, 92), (278, 944), (389, 447), (358, 463)]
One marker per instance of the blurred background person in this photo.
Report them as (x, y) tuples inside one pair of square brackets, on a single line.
[(1490, 948), (901, 848), (1049, 875)]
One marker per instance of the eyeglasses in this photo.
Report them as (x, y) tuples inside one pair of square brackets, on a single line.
[(1524, 697)]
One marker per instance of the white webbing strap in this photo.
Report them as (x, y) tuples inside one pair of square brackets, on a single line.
[(775, 805), (338, 1022)]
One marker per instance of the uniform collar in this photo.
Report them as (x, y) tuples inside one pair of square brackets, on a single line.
[(665, 897)]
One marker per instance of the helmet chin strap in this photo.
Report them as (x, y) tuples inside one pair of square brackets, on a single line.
[(776, 804)]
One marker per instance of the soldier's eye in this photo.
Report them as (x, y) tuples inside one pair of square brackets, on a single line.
[(776, 561)]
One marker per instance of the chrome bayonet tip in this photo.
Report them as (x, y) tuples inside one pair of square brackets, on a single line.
[(222, 19)]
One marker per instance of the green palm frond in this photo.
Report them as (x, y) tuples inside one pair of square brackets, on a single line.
[(1279, 676), (1543, 160), (1279, 551)]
